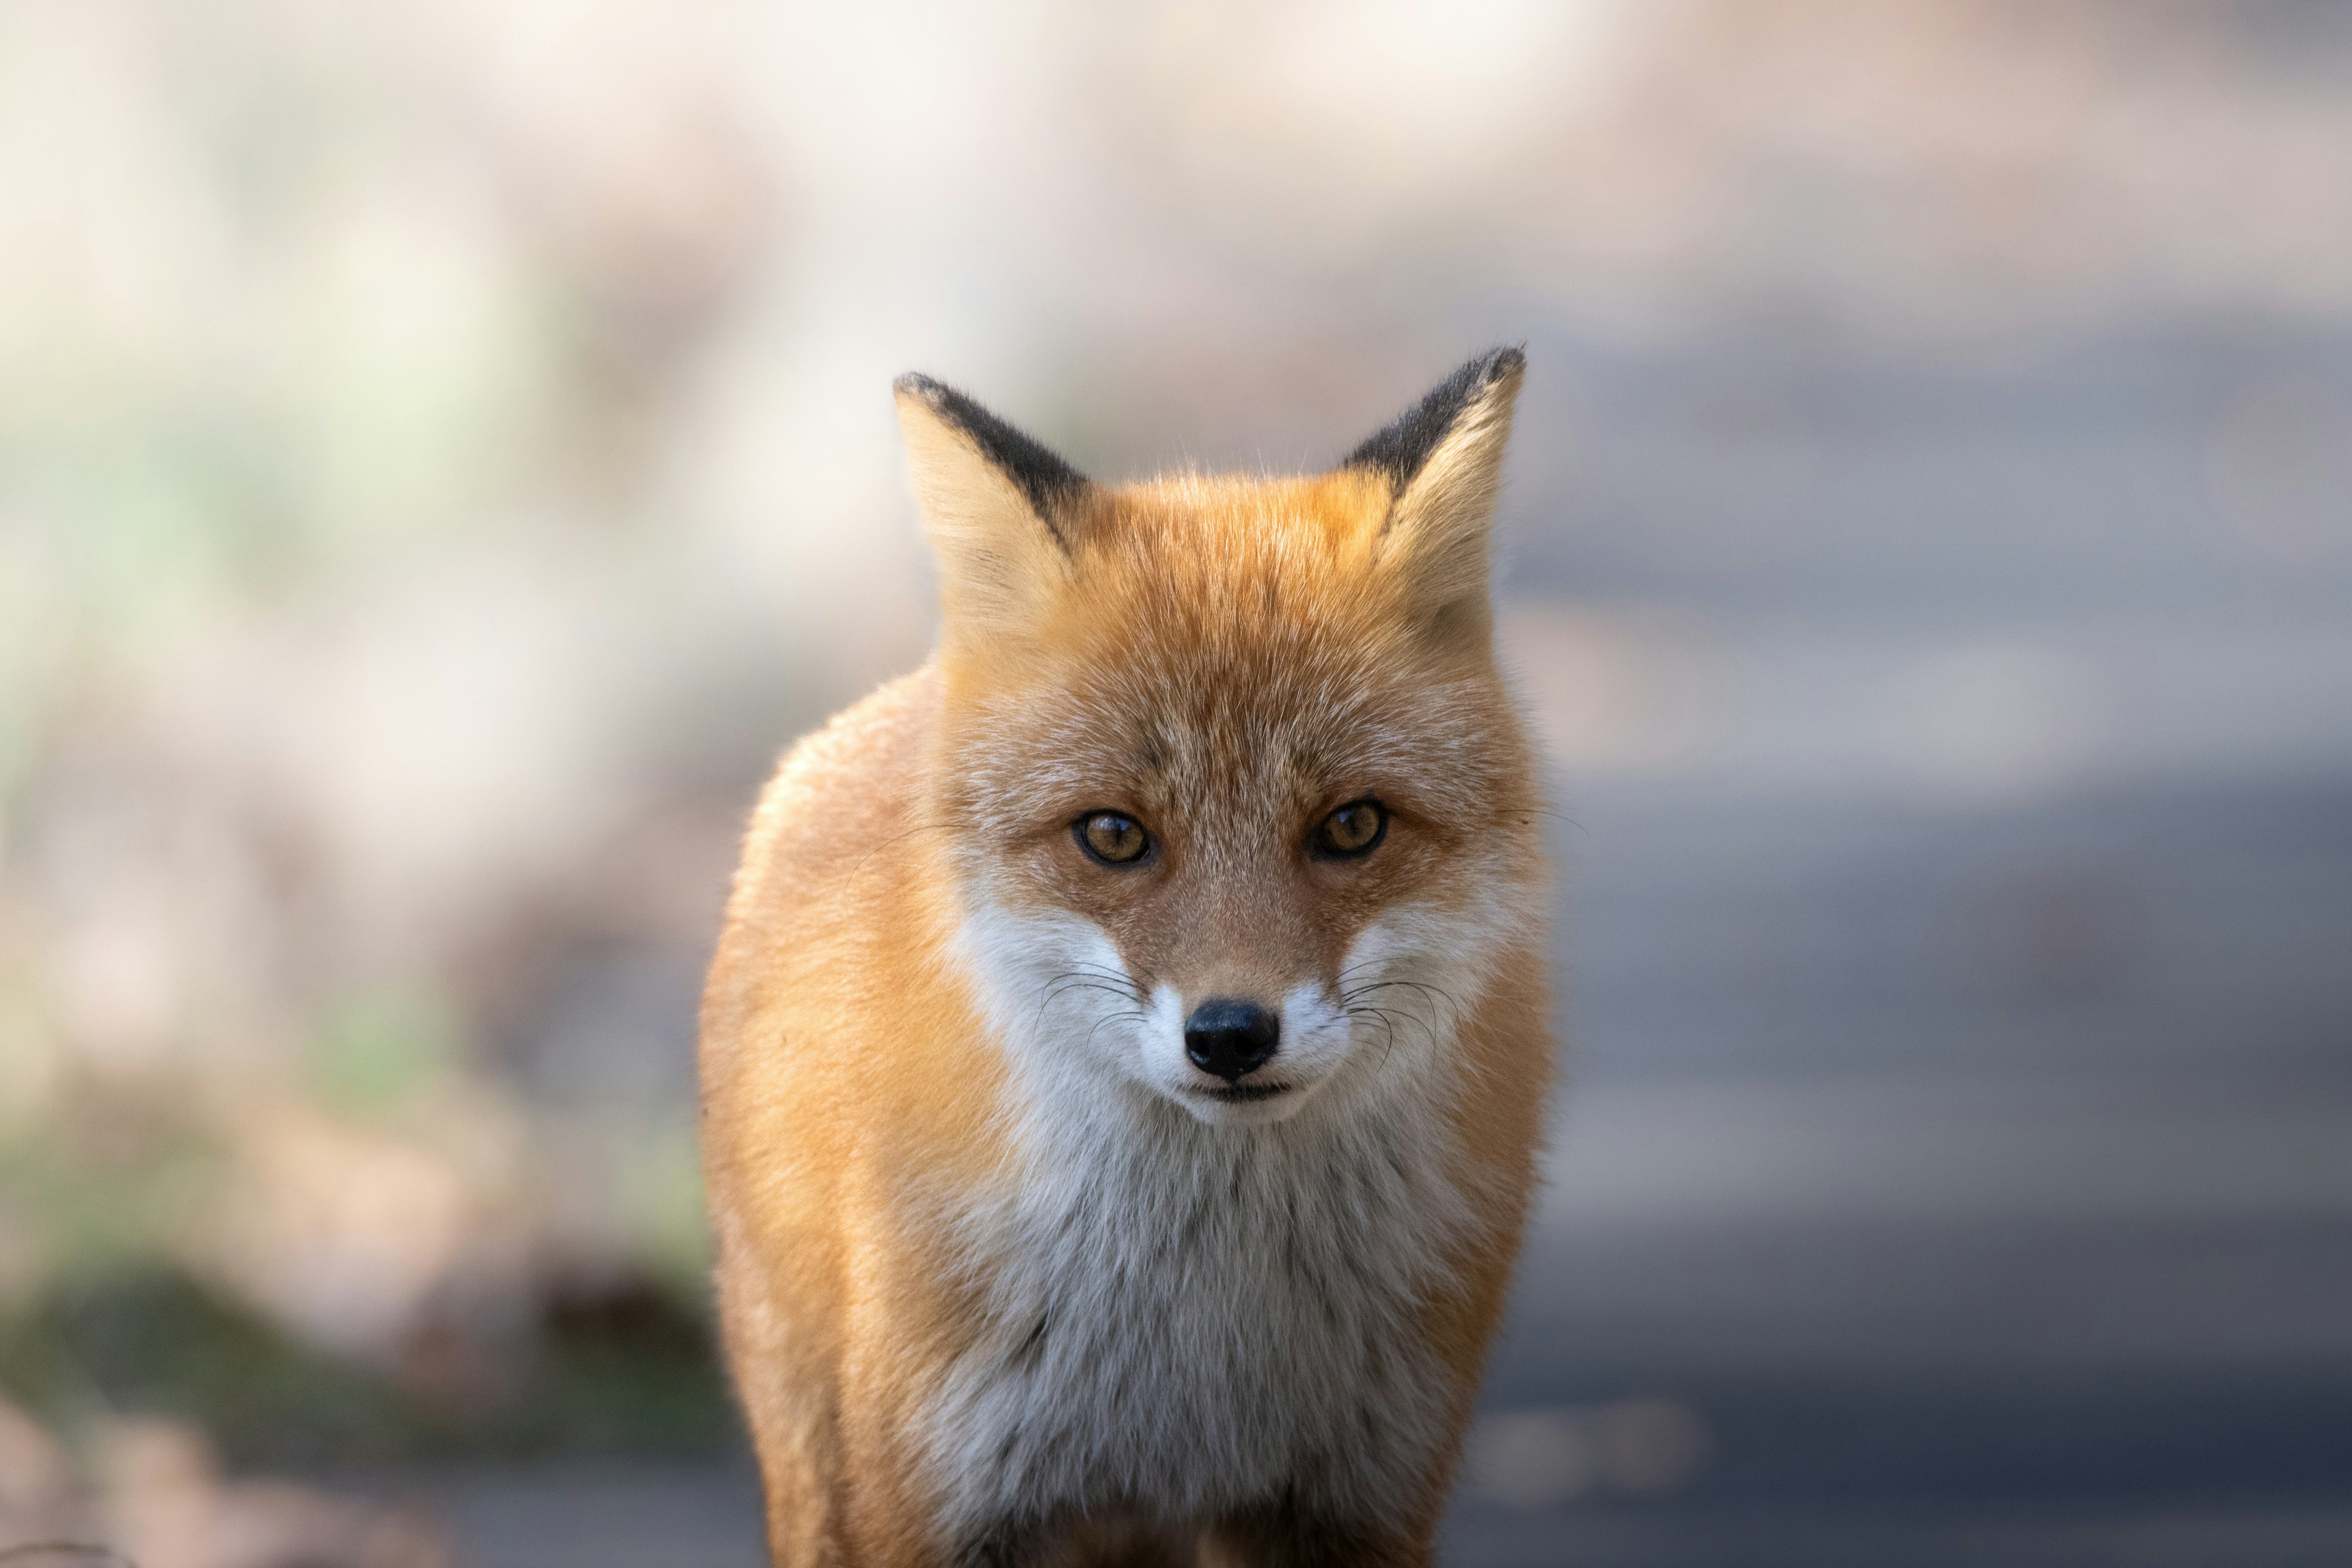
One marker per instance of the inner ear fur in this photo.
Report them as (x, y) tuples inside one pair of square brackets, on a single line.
[(1000, 510), (1443, 462)]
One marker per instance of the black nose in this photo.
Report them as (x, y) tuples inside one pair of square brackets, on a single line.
[(1231, 1039)]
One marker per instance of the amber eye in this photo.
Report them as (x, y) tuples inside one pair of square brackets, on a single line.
[(1353, 829), (1112, 839)]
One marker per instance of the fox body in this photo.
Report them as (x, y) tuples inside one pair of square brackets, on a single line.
[(1125, 1057)]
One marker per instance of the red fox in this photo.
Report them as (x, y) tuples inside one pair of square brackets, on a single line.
[(1125, 1058)]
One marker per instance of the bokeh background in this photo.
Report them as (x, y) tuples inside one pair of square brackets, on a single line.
[(445, 452)]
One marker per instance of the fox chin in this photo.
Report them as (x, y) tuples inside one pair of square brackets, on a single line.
[(1125, 1058)]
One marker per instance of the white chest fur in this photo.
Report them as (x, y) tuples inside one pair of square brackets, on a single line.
[(1187, 1319)]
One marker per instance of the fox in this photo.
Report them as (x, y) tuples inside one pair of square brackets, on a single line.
[(1126, 1050)]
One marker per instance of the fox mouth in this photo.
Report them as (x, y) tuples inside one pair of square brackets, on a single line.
[(1242, 1093)]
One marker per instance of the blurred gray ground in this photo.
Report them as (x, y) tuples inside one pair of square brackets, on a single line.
[(1956, 1160)]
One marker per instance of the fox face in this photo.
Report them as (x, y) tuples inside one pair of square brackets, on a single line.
[(1238, 801)]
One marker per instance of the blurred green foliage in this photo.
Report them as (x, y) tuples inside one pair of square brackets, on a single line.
[(382, 1048), (626, 1367)]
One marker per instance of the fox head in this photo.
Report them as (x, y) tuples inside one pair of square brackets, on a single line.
[(1240, 809)]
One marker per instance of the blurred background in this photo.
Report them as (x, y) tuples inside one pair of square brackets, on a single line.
[(445, 452)]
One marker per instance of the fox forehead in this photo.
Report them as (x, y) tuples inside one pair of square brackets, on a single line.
[(1216, 557)]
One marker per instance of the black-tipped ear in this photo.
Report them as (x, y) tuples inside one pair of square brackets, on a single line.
[(1443, 462), (1000, 510), (1401, 451), (1050, 485)]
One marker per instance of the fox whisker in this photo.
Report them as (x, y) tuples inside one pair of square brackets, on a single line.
[(1447, 1010), (1069, 982), (1129, 1016), (1119, 978), (1388, 1027)]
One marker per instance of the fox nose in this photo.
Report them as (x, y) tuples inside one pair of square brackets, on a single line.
[(1231, 1039)]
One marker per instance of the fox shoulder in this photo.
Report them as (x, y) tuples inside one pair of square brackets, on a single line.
[(839, 797)]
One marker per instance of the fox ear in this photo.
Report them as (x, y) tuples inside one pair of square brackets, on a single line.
[(1000, 509), (1443, 462)]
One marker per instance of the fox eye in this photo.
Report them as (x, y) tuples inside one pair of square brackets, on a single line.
[(1353, 829), (1111, 838)]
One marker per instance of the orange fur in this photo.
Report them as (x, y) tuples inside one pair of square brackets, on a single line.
[(1227, 662)]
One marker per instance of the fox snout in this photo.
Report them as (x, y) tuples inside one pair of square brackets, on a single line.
[(1231, 1039)]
